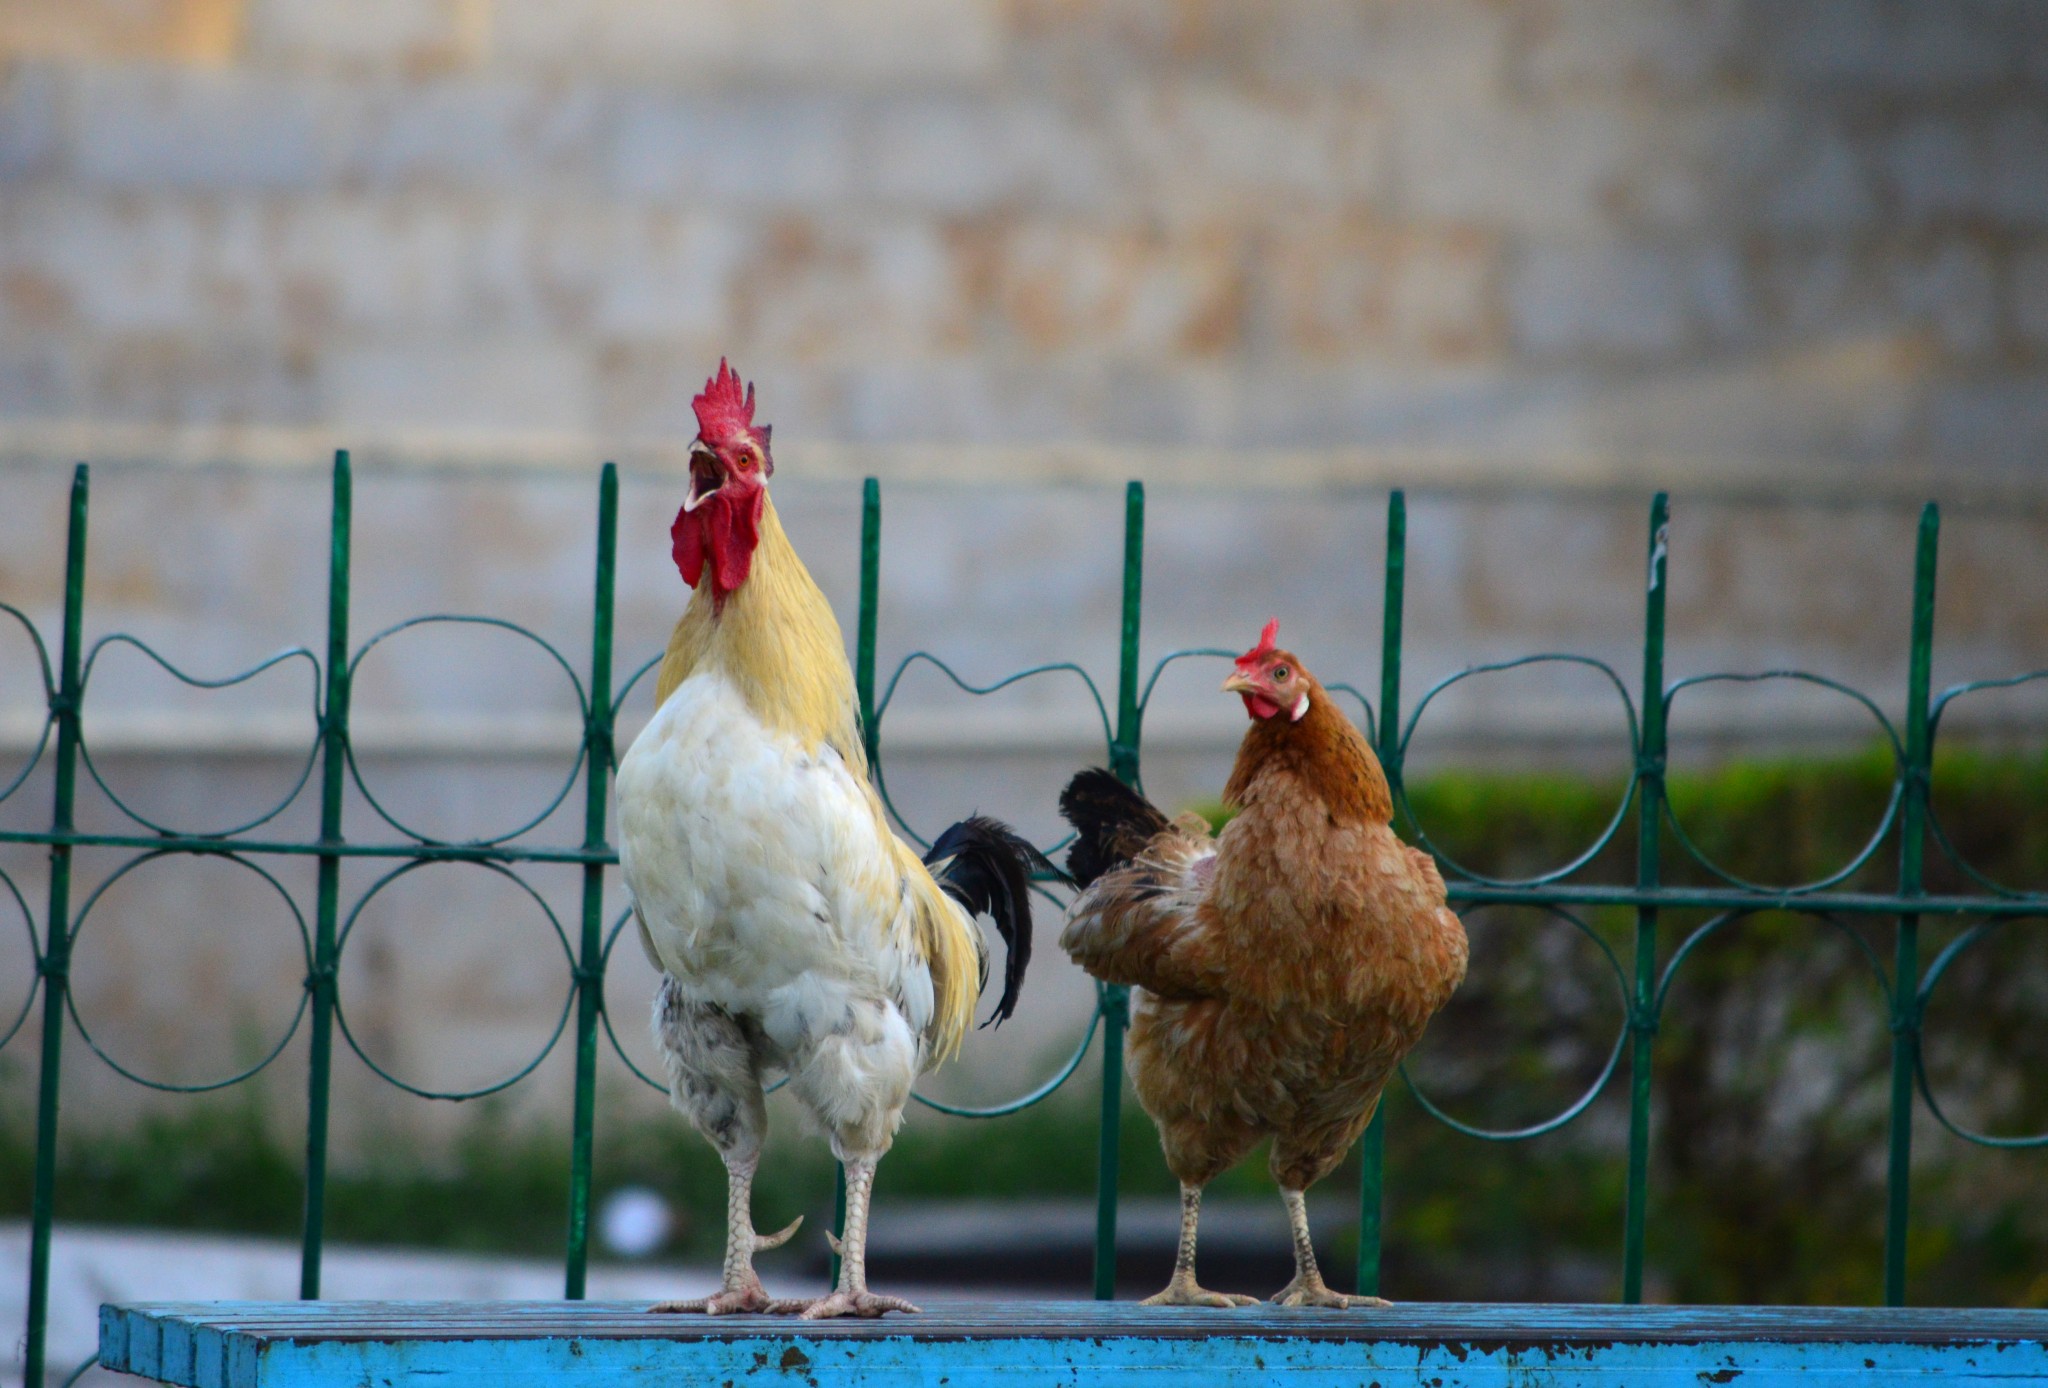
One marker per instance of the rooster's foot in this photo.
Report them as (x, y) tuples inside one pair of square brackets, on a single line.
[(860, 1303), (1183, 1291), (1312, 1292), (748, 1297)]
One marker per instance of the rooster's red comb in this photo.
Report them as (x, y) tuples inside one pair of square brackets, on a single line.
[(722, 411), (1267, 638)]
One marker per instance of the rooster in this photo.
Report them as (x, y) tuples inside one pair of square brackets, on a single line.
[(795, 932), (1282, 967)]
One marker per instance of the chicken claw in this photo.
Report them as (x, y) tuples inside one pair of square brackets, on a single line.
[(743, 1291), (747, 1297), (855, 1303), (1311, 1291), (1183, 1291)]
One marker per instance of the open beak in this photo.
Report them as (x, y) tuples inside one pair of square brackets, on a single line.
[(1239, 684), (707, 475)]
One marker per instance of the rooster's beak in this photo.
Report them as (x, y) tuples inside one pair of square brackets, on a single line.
[(706, 477), (1239, 684)]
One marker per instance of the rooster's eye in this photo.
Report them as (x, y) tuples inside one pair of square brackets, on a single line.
[(1279, 674)]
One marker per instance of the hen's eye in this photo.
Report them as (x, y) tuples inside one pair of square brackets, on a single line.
[(1279, 674)]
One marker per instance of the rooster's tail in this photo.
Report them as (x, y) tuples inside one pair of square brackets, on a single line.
[(987, 868), (1112, 824)]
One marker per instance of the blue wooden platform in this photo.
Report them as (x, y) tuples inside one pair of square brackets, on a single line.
[(965, 1345)]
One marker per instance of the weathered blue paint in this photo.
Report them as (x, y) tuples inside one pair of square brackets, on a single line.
[(561, 1345)]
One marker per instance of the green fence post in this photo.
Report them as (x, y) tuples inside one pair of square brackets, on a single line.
[(1114, 1000), (597, 753), (1372, 1148), (870, 735), (1905, 1018), (321, 981), (1649, 809), (55, 964)]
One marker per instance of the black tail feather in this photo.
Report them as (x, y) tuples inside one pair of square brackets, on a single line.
[(1112, 824), (987, 868)]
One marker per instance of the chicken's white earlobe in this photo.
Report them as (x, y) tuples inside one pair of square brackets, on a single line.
[(1300, 707)]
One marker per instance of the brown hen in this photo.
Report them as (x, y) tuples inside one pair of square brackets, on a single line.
[(1283, 967)]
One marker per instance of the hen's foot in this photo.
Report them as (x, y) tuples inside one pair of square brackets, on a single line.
[(748, 1297), (1183, 1291), (1312, 1292), (861, 1303)]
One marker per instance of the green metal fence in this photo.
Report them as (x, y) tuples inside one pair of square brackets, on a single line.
[(1908, 823)]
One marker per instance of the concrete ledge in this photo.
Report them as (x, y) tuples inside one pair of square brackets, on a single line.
[(465, 1344)]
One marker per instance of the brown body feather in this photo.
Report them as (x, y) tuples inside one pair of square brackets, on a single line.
[(1285, 966)]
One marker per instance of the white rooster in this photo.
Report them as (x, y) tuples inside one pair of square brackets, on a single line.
[(797, 934)]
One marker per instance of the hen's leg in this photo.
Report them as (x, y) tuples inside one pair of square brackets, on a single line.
[(1183, 1290), (1307, 1288), (715, 1080), (856, 1082)]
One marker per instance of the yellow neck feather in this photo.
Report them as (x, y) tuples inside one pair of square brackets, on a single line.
[(778, 642)]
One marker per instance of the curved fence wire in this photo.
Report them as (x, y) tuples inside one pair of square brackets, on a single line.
[(1908, 823)]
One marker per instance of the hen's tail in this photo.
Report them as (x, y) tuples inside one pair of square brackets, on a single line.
[(987, 868), (1112, 824)]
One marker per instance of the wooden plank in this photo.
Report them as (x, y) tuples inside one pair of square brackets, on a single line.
[(475, 1345)]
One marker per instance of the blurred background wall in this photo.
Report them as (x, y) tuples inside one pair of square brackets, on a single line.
[(1528, 258)]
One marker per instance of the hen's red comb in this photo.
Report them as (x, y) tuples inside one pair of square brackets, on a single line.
[(1267, 638), (722, 411)]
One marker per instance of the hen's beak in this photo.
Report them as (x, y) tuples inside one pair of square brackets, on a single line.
[(1239, 684), (707, 475)]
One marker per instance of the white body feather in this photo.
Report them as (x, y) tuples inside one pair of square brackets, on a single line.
[(765, 885)]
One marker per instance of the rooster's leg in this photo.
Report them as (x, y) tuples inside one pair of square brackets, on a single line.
[(1307, 1288), (1183, 1289), (715, 1081), (741, 1289), (852, 1297)]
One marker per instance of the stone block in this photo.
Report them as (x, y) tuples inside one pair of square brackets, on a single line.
[(1936, 166), (182, 31), (1820, 183), (649, 272), (2030, 295), (492, 133), (1548, 167), (413, 36), (1349, 286), (1189, 146), (844, 288), (1890, 45), (815, 42), (1949, 292), (106, 267), (1650, 48), (143, 127), (1060, 287), (2018, 189), (1990, 422), (968, 152), (185, 378), (750, 148), (507, 384), (29, 134), (1584, 298)]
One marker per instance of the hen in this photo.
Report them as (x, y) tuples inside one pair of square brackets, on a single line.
[(1282, 968), (796, 933)]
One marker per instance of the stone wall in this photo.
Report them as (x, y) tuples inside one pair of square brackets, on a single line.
[(1527, 258), (1813, 232)]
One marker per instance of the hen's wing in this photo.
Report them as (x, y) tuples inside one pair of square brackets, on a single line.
[(1150, 923)]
